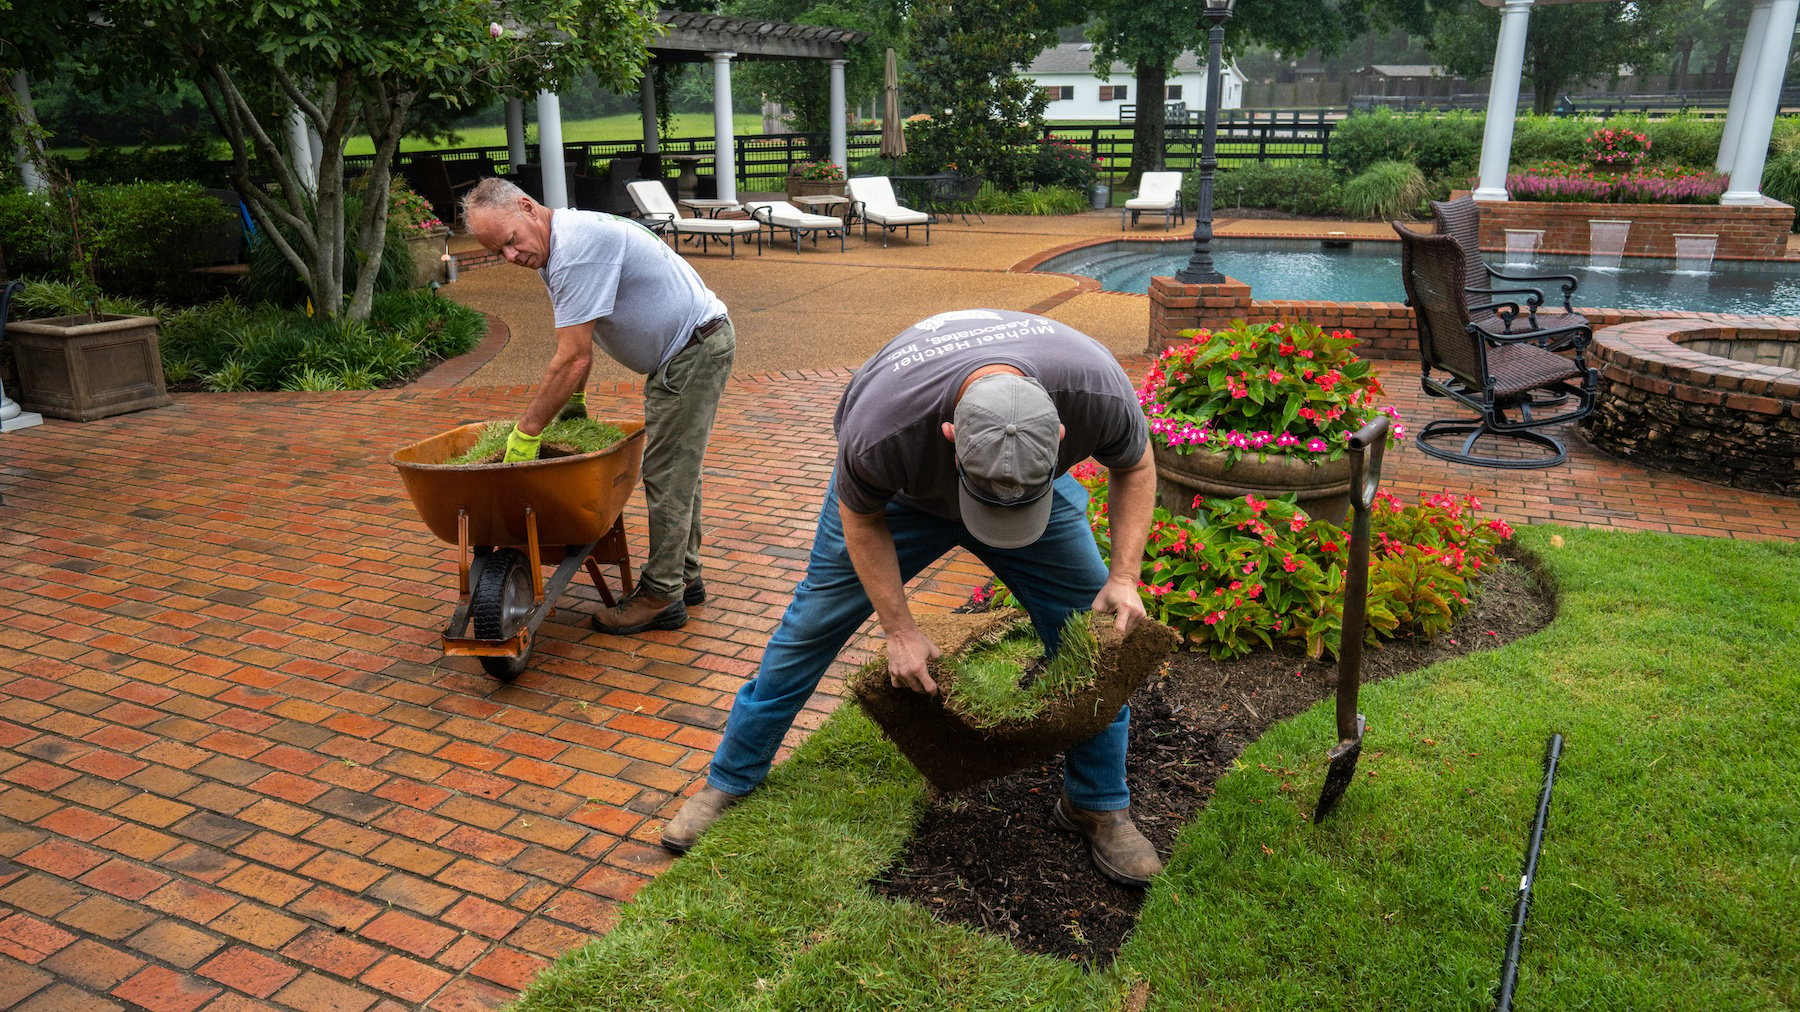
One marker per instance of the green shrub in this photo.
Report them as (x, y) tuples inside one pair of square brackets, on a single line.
[(233, 346), (139, 238), (1781, 180), (1685, 140), (1303, 188), (272, 279), (1549, 138), (41, 300), (1043, 200), (194, 158), (1440, 144), (1386, 190), (1059, 163)]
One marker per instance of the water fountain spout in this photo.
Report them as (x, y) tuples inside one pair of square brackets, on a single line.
[(1606, 243), (1522, 245), (1694, 253)]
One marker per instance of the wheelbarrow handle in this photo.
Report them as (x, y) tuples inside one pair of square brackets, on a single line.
[(1367, 445)]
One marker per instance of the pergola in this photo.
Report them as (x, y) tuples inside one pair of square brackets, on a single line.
[(1749, 119), (701, 38)]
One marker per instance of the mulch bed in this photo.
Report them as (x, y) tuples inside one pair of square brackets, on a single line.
[(990, 858)]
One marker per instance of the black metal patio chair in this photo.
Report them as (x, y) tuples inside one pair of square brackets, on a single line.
[(1495, 375), (1461, 220)]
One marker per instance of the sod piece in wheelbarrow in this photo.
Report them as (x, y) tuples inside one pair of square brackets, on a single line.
[(1002, 706), (563, 438)]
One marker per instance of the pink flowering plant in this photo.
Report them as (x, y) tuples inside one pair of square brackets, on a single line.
[(409, 211), (1616, 150), (1262, 388), (1657, 184), (823, 170), (1251, 573)]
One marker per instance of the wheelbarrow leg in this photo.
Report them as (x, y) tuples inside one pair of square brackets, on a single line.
[(1366, 447), (611, 550)]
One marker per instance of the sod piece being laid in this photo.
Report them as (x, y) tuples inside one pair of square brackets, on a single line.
[(560, 439), (1002, 706)]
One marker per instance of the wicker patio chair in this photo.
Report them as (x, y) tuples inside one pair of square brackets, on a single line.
[(1496, 376), (1461, 220)]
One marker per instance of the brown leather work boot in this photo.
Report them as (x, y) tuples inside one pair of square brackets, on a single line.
[(638, 613), (1118, 849), (701, 811)]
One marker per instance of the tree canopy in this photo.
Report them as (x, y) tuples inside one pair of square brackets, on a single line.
[(1566, 46)]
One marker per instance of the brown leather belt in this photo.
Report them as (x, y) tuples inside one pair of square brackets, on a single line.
[(704, 331)]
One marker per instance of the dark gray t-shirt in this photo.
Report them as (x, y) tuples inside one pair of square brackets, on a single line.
[(891, 446)]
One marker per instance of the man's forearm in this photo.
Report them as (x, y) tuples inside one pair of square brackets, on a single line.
[(566, 373), (1131, 496), (871, 548)]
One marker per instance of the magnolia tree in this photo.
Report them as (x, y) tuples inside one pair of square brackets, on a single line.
[(358, 67)]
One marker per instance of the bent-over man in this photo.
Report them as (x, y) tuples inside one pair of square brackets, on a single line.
[(614, 283), (961, 432)]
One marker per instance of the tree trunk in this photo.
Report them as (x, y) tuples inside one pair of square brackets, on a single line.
[(1148, 133)]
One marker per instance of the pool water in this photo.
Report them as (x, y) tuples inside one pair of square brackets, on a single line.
[(1308, 270)]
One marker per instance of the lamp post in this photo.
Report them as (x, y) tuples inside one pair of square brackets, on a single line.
[(1200, 269)]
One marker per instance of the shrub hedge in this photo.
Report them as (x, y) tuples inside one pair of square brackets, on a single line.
[(138, 237)]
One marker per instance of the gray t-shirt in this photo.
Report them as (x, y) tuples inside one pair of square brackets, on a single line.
[(891, 446), (643, 299)]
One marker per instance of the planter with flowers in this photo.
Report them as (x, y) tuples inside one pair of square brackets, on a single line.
[(427, 237), (807, 179), (1265, 409)]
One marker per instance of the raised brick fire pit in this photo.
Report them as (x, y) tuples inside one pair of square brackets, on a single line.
[(1713, 398)]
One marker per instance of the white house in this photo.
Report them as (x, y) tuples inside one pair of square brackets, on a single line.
[(1075, 92)]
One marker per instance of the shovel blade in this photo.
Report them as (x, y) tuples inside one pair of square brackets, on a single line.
[(1341, 771)]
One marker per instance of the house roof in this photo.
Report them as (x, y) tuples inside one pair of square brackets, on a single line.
[(1405, 70), (1078, 58)]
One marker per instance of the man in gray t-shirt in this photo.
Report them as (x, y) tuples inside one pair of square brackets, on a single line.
[(615, 284), (961, 432)]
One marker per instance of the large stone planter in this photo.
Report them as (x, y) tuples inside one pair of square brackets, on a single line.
[(797, 187), (1322, 490), (426, 248), (81, 369)]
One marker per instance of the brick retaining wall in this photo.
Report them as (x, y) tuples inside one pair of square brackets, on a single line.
[(1749, 232), (1670, 406)]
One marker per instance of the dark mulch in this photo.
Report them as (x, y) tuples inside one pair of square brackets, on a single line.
[(990, 858)]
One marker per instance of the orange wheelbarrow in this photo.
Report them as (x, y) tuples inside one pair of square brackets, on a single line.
[(508, 522)]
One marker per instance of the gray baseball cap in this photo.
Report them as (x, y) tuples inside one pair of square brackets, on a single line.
[(1007, 435)]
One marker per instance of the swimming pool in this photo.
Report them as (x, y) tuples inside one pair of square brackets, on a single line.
[(1309, 270)]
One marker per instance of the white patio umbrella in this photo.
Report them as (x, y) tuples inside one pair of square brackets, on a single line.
[(893, 134)]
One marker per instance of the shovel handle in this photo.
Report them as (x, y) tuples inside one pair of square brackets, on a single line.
[(1366, 447)]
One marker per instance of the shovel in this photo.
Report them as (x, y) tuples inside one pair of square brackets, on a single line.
[(1366, 447)]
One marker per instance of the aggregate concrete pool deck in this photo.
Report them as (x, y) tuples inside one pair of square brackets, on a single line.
[(236, 771)]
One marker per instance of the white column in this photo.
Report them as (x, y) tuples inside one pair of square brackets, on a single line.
[(1503, 100), (724, 138), (550, 150), (300, 151), (29, 153), (1740, 85), (515, 130), (1765, 102), (647, 105), (840, 151)]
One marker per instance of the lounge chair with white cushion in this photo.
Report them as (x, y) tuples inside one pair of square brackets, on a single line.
[(660, 215), (1158, 193), (781, 214), (872, 200)]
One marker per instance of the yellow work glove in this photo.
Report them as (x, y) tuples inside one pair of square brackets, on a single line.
[(520, 446), (576, 408)]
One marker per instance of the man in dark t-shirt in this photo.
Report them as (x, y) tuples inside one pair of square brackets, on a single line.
[(961, 432)]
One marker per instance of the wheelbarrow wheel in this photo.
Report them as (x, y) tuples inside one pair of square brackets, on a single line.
[(501, 603)]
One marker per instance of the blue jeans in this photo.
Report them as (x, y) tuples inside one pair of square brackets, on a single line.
[(1059, 574)]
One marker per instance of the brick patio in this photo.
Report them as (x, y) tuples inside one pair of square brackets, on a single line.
[(236, 771)]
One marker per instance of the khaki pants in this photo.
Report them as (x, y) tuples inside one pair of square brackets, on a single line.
[(680, 402)]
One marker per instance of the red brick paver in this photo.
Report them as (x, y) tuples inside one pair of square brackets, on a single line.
[(236, 770)]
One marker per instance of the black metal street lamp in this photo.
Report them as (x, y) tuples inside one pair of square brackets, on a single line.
[(1200, 269)]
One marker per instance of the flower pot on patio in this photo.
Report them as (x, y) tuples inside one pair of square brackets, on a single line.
[(1322, 490), (84, 368), (426, 248), (797, 187)]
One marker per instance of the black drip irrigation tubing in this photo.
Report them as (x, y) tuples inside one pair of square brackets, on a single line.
[(1509, 968)]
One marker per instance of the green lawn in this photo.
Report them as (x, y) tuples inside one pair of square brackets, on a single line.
[(624, 127), (1668, 878)]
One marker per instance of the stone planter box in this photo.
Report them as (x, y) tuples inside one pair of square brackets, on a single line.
[(71, 367), (426, 248), (797, 187), (1748, 232)]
